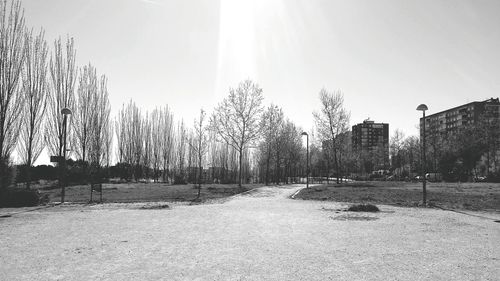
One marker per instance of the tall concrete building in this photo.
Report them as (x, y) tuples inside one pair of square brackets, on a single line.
[(371, 140), (458, 117), (369, 135), (439, 126)]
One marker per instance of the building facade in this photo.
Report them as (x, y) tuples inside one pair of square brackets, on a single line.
[(440, 126), (458, 117), (370, 140)]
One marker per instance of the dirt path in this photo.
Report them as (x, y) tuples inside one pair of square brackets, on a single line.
[(260, 235)]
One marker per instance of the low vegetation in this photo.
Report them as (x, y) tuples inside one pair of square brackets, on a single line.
[(363, 208), (146, 192), (14, 197), (465, 196)]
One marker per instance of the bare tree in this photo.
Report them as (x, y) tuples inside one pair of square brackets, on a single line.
[(270, 123), (156, 141), (167, 139), (191, 175), (108, 144), (85, 113), (331, 122), (120, 136), (147, 145), (200, 144), (396, 147), (35, 90), (100, 123), (63, 75), (236, 118), (411, 152), (136, 139), (12, 56), (181, 139), (130, 140), (291, 149), (218, 155)]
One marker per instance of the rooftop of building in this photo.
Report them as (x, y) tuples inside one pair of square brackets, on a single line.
[(368, 121), (490, 100)]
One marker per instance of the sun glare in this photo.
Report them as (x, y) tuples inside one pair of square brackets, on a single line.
[(238, 31)]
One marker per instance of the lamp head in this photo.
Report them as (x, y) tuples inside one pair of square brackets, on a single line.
[(422, 107), (304, 134), (65, 111)]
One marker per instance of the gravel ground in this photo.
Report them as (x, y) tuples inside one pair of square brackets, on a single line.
[(259, 235)]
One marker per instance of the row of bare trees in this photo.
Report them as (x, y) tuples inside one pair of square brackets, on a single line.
[(92, 129), (145, 142), (280, 150), (36, 83), (154, 142), (240, 139), (12, 60)]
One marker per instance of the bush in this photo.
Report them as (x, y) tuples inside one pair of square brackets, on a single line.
[(493, 177), (40, 172), (7, 174), (178, 179), (363, 208), (14, 197)]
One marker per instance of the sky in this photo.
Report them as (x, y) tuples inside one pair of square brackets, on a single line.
[(386, 56)]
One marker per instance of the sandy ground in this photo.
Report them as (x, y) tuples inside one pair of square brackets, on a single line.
[(261, 235)]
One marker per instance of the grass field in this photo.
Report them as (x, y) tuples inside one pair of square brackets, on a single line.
[(145, 192), (464, 196)]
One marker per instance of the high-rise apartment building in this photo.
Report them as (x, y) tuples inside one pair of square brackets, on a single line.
[(458, 117), (368, 136), (371, 140)]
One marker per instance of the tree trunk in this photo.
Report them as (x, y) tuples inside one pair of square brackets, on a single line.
[(199, 176), (336, 165), (340, 168), (240, 172), (200, 169), (267, 165), (28, 165), (277, 175), (328, 169)]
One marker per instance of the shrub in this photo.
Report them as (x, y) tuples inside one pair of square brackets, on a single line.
[(493, 177), (179, 179), (13, 197), (7, 174), (363, 208)]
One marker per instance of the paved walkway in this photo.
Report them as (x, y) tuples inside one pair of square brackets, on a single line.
[(260, 235)]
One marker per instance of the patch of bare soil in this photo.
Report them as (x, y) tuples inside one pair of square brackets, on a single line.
[(350, 217), (155, 207)]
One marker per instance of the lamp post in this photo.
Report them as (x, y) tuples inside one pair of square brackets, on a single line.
[(65, 112), (423, 108), (307, 158)]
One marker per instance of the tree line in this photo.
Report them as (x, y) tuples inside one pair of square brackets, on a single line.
[(37, 82), (240, 141)]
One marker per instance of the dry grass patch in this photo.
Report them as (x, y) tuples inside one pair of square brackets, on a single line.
[(147, 192), (464, 196)]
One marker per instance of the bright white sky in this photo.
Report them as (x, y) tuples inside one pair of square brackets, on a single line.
[(387, 56)]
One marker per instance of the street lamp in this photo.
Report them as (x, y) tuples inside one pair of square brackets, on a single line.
[(423, 108), (307, 157), (65, 112)]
